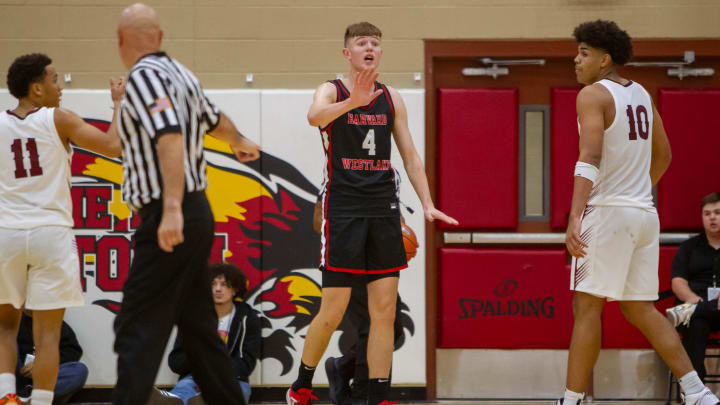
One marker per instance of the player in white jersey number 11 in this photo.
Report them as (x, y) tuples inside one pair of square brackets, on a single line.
[(38, 258)]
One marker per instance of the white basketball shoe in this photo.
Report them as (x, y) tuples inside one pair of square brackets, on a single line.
[(562, 400), (704, 397), (680, 314)]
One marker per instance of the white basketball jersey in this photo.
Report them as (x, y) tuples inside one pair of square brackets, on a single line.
[(624, 178), (35, 173)]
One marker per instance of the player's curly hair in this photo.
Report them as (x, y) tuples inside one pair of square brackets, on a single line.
[(362, 29), (234, 277), (608, 36), (24, 70)]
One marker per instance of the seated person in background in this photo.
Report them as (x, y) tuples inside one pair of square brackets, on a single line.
[(72, 374), (238, 326), (696, 282)]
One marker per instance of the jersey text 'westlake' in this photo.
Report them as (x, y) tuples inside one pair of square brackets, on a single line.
[(366, 164)]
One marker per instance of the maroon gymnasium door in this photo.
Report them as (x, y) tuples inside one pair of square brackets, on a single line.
[(486, 292)]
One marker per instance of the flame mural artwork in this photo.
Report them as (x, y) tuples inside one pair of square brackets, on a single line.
[(263, 224)]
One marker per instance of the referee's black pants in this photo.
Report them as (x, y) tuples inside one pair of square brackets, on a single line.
[(705, 319), (165, 289)]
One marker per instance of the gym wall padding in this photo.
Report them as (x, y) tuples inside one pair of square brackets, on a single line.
[(564, 139), (692, 124), (504, 299), (478, 157)]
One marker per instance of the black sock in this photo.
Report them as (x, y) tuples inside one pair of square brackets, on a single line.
[(305, 376), (378, 389)]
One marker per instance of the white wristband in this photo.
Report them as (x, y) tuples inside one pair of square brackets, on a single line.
[(586, 170)]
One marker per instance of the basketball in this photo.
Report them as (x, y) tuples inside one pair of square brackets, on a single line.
[(409, 241)]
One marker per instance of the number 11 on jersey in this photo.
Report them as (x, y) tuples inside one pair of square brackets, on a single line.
[(369, 142), (17, 151)]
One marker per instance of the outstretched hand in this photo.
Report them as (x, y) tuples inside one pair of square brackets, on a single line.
[(363, 91), (432, 214), (245, 150)]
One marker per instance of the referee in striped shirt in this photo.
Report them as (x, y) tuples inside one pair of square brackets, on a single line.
[(163, 118)]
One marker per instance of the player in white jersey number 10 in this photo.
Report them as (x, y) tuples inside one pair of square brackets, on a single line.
[(613, 228)]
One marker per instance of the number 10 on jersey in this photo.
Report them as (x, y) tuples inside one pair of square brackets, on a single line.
[(643, 125)]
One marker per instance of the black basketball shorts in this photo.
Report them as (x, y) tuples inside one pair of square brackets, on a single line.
[(362, 245)]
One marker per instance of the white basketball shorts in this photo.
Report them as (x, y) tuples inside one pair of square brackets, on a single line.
[(39, 268), (621, 261)]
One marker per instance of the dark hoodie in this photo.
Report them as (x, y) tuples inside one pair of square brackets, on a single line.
[(244, 341), (70, 349)]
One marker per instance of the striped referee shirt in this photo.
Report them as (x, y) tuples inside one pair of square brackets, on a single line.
[(162, 96)]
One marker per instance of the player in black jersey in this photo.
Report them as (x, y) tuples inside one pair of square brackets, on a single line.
[(361, 233)]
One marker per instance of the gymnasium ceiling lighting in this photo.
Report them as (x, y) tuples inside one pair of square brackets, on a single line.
[(497, 67), (512, 62), (493, 71), (682, 71), (679, 69)]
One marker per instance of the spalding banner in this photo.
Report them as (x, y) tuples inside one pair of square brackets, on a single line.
[(263, 224)]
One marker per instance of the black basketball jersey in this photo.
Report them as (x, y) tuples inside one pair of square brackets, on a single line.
[(359, 179)]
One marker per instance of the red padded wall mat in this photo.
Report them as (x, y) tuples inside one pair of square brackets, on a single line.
[(692, 123), (478, 157), (504, 299)]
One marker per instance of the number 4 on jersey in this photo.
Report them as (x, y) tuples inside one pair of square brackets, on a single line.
[(369, 142), (17, 149)]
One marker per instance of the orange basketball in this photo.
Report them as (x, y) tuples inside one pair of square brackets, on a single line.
[(409, 241)]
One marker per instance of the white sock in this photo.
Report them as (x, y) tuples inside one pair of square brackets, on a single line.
[(7, 384), (691, 383), (41, 397), (572, 398)]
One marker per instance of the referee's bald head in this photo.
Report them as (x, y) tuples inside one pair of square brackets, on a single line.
[(138, 33)]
